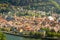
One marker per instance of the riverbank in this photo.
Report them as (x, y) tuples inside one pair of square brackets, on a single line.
[(29, 36), (11, 37)]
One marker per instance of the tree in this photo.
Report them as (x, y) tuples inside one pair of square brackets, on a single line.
[(2, 36)]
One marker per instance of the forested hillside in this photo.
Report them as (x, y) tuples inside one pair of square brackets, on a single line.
[(58, 1), (42, 5)]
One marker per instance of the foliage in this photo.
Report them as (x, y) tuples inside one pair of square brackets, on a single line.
[(2, 36), (55, 4), (43, 5), (4, 8), (46, 29), (37, 34), (53, 34)]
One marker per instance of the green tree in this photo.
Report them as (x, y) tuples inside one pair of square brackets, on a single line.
[(2, 36)]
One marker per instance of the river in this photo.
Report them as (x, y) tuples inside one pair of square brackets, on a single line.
[(12, 37)]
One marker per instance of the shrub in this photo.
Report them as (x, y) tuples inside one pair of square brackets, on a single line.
[(53, 34)]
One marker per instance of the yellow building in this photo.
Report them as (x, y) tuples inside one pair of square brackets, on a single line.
[(21, 30)]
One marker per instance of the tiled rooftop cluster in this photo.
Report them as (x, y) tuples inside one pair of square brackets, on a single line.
[(31, 23)]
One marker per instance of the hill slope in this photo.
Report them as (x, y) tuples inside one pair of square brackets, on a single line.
[(43, 5)]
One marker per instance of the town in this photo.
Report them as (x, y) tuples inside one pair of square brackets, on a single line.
[(21, 24), (29, 19)]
